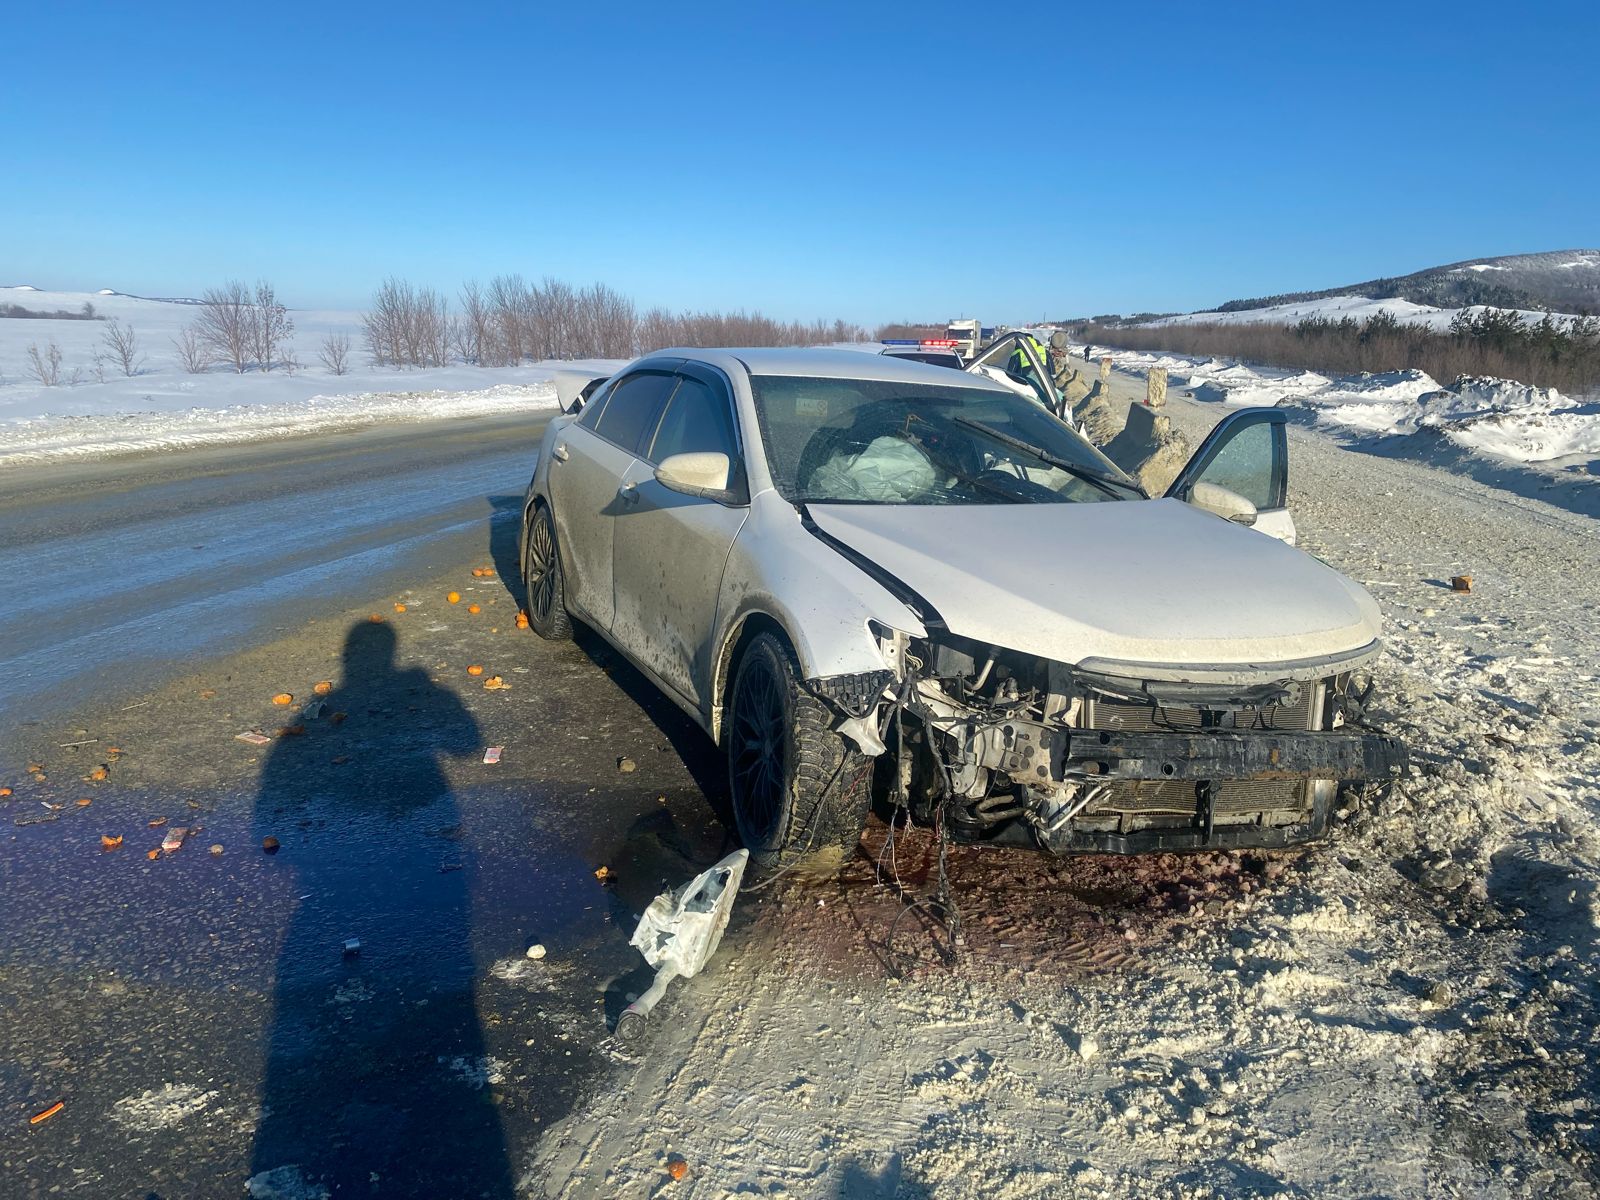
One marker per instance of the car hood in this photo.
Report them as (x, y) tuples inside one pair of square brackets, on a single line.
[(1146, 583)]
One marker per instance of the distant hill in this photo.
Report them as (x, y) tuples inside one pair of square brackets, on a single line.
[(1566, 281)]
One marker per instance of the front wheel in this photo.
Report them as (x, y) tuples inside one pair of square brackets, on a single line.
[(541, 572), (797, 787)]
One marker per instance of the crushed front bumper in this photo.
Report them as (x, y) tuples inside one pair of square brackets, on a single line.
[(1342, 755)]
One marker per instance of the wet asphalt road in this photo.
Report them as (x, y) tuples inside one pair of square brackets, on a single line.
[(195, 1013)]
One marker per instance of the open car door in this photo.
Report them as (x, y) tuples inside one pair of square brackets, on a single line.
[(1013, 360), (1241, 472)]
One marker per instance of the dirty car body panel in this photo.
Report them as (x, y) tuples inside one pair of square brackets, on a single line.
[(1049, 657)]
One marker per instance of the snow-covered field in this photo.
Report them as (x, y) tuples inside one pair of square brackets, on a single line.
[(1497, 418), (1408, 1009), (95, 411), (1335, 308)]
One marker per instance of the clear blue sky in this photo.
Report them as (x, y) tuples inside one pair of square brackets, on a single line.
[(808, 160)]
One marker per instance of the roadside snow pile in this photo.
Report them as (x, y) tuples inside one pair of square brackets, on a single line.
[(56, 437), (1498, 418)]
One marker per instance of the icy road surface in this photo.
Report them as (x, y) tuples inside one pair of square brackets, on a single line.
[(130, 569)]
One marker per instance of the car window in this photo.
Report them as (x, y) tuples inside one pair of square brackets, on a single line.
[(630, 413), (1247, 464), (594, 406), (697, 419), (864, 441)]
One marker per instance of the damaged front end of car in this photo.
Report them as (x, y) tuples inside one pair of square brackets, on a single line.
[(1012, 749)]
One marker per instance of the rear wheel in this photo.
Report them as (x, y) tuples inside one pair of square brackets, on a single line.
[(797, 787), (541, 572)]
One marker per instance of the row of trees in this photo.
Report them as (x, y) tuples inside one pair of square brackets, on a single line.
[(1559, 352), (511, 321), (119, 351)]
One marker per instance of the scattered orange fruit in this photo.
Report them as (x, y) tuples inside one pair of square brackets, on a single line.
[(375, 618), (98, 774), (677, 1168), (5, 791), (110, 841), (602, 873), (283, 698), (84, 802), (474, 669), (35, 768), (323, 687), (473, 608), (494, 684), (522, 620), (454, 597), (208, 694), (398, 607), (152, 855)]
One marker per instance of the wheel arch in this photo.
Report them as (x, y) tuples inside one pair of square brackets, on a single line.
[(741, 633)]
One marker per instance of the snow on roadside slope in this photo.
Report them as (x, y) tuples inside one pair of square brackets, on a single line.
[(52, 438), (1498, 418)]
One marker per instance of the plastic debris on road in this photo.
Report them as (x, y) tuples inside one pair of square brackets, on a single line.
[(680, 931), (251, 737), (492, 754), (173, 842), (46, 1114), (352, 947)]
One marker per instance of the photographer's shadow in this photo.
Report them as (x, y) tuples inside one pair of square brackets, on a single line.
[(377, 1080)]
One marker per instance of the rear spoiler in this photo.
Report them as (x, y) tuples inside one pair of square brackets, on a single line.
[(573, 387)]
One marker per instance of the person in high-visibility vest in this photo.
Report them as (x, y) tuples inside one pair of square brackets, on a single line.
[(1019, 364)]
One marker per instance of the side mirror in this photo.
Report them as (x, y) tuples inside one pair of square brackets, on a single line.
[(703, 473), (1215, 498)]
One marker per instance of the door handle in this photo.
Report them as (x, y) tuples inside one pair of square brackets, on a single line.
[(629, 493), (559, 453)]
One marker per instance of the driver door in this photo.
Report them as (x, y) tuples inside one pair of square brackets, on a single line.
[(1013, 361), (1246, 455), (669, 548)]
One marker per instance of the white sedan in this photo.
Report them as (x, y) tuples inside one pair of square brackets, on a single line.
[(850, 570)]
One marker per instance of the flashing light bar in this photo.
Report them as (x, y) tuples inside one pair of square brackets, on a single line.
[(901, 342), (940, 343)]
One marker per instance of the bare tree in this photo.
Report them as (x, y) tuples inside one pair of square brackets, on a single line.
[(122, 347), (269, 328), (45, 364), (511, 304), (474, 330), (194, 355), (226, 324), (407, 326), (335, 353)]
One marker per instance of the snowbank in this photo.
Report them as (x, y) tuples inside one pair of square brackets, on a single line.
[(1498, 418)]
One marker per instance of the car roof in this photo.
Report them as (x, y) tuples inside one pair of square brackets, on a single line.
[(826, 364)]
